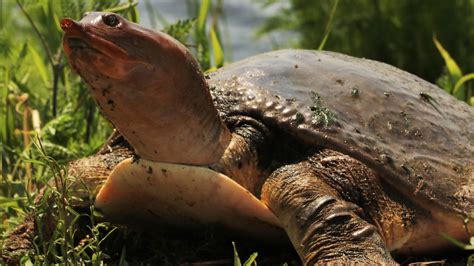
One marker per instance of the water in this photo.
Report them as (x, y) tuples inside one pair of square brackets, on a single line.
[(243, 18)]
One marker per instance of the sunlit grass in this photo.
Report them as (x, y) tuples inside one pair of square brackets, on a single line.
[(454, 81), (50, 119)]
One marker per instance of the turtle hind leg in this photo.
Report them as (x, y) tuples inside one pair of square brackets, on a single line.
[(322, 225)]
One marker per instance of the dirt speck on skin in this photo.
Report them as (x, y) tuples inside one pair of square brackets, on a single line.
[(322, 116), (405, 168), (298, 118), (135, 158), (164, 172), (355, 92), (111, 104), (420, 184), (386, 158)]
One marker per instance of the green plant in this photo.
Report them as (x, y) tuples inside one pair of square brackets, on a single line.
[(454, 81), (395, 32), (59, 243), (49, 119), (252, 260), (33, 74), (206, 44), (469, 246)]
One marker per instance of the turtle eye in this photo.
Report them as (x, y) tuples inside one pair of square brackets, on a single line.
[(110, 20)]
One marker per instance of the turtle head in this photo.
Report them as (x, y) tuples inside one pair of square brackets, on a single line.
[(149, 86)]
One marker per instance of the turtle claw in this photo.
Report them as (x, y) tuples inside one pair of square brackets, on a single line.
[(323, 227)]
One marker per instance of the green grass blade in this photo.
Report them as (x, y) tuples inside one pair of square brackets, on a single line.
[(40, 65), (452, 66), (329, 26), (107, 235), (122, 7), (57, 22), (133, 11), (9, 202), (251, 260), (123, 256), (461, 82), (458, 243), (216, 49), (4, 125), (236, 256), (203, 10)]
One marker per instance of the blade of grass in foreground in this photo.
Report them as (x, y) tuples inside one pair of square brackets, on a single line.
[(453, 68), (203, 11), (329, 26), (460, 244), (217, 49), (250, 261), (461, 82)]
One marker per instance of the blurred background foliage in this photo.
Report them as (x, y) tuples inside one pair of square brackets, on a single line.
[(40, 97), (399, 32)]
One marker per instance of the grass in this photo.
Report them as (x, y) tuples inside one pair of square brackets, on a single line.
[(50, 119), (454, 81)]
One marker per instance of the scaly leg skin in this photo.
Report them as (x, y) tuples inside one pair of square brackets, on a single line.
[(323, 227)]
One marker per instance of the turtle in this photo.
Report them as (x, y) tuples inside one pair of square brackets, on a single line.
[(350, 158)]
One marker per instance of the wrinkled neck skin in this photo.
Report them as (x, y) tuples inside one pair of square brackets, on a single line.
[(150, 87), (152, 90), (162, 126), (244, 159)]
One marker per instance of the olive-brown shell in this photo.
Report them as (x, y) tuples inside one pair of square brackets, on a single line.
[(415, 135)]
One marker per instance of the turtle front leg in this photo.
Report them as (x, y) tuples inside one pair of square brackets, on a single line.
[(323, 227)]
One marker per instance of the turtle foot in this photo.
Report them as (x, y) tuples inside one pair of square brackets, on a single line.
[(323, 227)]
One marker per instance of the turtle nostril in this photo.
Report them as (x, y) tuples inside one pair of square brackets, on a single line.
[(77, 43)]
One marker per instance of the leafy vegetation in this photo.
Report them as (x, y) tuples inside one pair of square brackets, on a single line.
[(453, 81), (249, 262), (34, 73), (50, 119), (396, 32)]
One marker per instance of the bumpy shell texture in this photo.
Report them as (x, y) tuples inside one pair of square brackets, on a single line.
[(416, 136)]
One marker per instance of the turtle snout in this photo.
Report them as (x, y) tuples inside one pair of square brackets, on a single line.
[(74, 35), (68, 25)]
